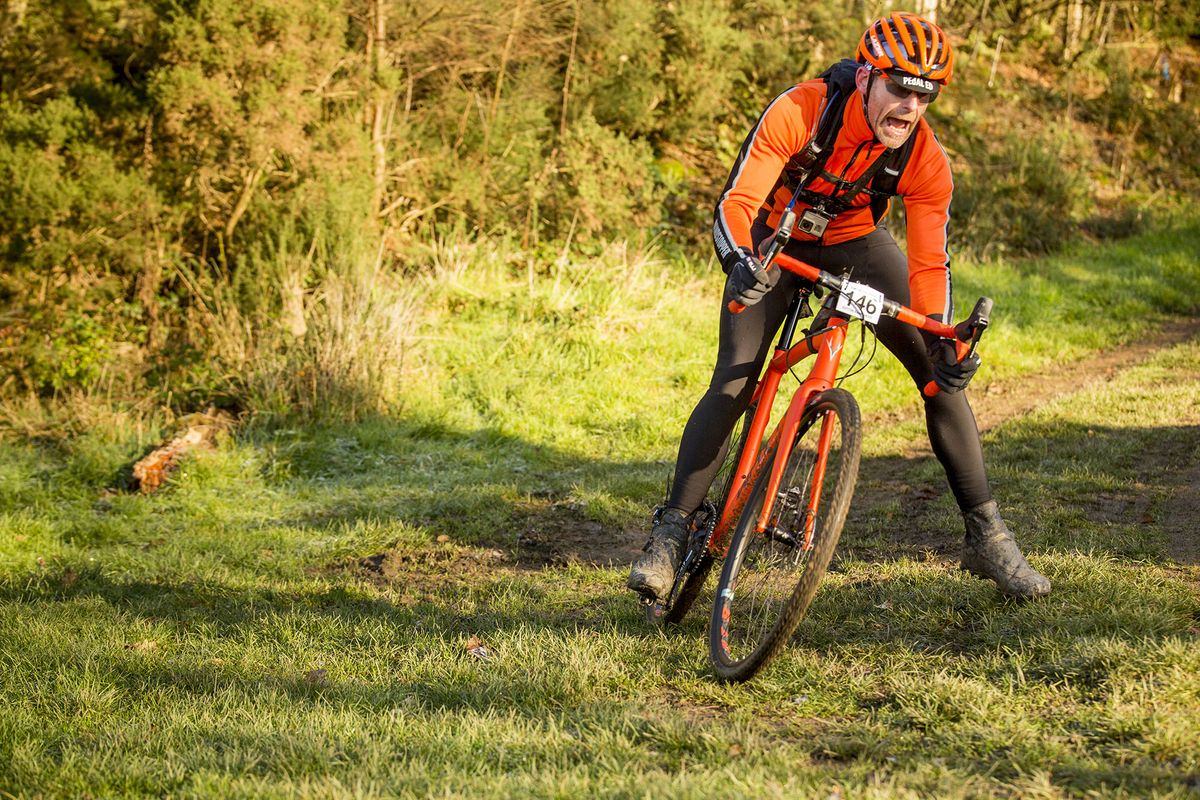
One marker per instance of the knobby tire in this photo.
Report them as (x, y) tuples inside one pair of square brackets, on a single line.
[(688, 593), (768, 581)]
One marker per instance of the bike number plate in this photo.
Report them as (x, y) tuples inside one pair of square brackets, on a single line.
[(860, 300)]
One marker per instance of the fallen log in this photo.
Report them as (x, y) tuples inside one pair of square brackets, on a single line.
[(195, 431)]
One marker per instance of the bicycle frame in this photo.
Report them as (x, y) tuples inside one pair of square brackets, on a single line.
[(827, 347), (826, 344)]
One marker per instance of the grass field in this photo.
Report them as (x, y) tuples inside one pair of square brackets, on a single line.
[(292, 616)]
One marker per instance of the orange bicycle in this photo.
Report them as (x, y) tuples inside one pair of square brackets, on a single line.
[(779, 506)]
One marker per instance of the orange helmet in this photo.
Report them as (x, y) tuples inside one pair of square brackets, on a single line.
[(910, 44)]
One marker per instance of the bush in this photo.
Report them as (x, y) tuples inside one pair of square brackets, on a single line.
[(1023, 195), (607, 182), (176, 178)]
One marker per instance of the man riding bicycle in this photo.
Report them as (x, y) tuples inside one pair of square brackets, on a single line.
[(844, 160)]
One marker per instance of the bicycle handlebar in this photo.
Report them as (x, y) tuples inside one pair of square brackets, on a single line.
[(966, 333)]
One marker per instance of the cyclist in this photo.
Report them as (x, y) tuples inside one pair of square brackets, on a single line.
[(902, 62)]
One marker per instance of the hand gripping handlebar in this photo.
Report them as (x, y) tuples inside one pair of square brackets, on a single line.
[(966, 333)]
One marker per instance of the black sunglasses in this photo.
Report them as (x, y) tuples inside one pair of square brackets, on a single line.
[(902, 93)]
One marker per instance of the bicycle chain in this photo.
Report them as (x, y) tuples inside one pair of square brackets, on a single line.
[(697, 547)]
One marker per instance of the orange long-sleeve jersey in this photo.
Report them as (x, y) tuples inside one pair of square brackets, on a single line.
[(757, 187)]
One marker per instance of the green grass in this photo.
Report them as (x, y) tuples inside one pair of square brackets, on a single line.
[(222, 638)]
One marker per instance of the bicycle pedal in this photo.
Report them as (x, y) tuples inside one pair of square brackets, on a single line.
[(654, 611), (648, 598)]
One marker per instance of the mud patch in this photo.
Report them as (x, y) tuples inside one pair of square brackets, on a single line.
[(890, 497), (453, 563), (557, 533), (1118, 507), (892, 485), (427, 575), (548, 533), (1182, 520)]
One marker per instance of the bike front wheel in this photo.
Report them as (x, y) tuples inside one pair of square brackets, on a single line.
[(769, 578)]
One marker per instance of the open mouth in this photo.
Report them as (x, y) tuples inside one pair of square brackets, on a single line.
[(897, 126)]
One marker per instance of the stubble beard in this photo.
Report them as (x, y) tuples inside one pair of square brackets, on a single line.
[(892, 136)]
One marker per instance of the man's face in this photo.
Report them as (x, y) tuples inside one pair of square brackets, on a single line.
[(892, 111)]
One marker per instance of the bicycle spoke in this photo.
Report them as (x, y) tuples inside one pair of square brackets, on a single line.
[(771, 575), (768, 573)]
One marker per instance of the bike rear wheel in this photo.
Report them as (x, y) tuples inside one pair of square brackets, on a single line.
[(770, 578)]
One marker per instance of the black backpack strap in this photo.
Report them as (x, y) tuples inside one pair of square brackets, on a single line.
[(839, 82), (836, 204), (881, 179), (886, 183)]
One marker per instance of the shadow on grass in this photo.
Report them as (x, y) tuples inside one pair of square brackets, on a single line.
[(569, 645), (349, 650), (1063, 486), (536, 504), (1086, 495), (210, 637)]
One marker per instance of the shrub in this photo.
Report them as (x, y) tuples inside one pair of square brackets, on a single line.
[(607, 182), (1023, 195)]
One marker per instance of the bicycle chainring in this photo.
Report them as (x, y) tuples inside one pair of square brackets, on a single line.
[(705, 522)]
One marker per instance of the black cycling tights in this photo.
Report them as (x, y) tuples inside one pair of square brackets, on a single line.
[(746, 339)]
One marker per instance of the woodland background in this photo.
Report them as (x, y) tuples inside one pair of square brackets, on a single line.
[(448, 266), (253, 203)]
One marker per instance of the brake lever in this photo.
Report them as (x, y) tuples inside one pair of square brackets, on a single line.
[(968, 333), (974, 326), (782, 235)]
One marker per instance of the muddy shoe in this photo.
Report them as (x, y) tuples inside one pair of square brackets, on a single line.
[(990, 551), (654, 571)]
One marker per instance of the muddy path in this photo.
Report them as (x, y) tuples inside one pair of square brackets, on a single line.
[(557, 533), (897, 481), (552, 531)]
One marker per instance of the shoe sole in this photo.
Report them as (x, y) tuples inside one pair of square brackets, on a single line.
[(984, 576)]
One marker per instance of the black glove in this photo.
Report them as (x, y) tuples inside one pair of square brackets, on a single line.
[(748, 281), (950, 374)]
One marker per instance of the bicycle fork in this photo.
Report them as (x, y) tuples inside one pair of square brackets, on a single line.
[(827, 346)]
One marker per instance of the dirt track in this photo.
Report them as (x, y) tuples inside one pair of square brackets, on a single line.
[(558, 533), (553, 531), (884, 480)]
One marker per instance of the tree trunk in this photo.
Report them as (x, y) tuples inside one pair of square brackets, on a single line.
[(379, 103), (566, 92), (504, 58), (243, 202), (1071, 29), (995, 60), (1108, 21)]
